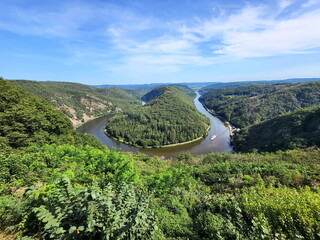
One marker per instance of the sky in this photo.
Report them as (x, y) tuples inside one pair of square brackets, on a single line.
[(157, 41)]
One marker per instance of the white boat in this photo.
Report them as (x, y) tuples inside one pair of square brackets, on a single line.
[(213, 137)]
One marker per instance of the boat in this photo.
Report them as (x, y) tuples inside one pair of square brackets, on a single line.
[(213, 137)]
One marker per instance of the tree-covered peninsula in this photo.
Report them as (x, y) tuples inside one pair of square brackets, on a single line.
[(168, 117)]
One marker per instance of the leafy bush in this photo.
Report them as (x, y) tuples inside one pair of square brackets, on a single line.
[(294, 214), (62, 211)]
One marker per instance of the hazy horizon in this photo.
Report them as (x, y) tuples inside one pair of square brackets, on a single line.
[(141, 42)]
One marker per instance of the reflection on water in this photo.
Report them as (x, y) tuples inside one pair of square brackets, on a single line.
[(220, 144)]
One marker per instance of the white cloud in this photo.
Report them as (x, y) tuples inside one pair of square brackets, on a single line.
[(283, 4), (252, 33), (310, 3), (284, 37), (147, 42)]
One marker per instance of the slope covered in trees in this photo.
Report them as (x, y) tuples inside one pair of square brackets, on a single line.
[(157, 92), (81, 102), (246, 105), (299, 129), (26, 119), (169, 117), (219, 85)]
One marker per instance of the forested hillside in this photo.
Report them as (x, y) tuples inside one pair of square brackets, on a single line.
[(246, 105), (161, 90), (299, 129), (26, 119), (81, 102), (169, 117), (220, 85), (53, 188)]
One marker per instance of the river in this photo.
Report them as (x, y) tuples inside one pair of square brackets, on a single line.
[(203, 146)]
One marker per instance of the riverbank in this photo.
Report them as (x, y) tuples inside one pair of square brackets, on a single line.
[(191, 141), (232, 129), (109, 114), (164, 146)]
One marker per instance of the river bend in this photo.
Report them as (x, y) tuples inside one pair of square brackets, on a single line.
[(203, 146)]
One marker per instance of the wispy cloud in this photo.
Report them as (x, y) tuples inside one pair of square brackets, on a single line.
[(310, 3), (272, 37), (145, 42), (64, 21), (283, 4), (253, 31)]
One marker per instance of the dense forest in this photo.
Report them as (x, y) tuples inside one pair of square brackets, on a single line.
[(220, 85), (246, 105), (57, 187), (299, 129), (271, 117), (81, 102), (26, 120), (168, 117)]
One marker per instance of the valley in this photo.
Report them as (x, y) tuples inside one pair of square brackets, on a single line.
[(159, 120), (202, 146), (80, 102), (197, 190)]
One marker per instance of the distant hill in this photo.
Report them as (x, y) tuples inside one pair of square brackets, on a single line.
[(81, 102), (168, 117), (194, 85), (161, 90), (220, 85), (207, 86), (299, 129), (246, 105), (26, 119)]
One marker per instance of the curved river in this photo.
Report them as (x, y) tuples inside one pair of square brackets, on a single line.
[(203, 146)]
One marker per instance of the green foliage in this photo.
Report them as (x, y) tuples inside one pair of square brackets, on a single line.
[(220, 217), (157, 92), (10, 211), (260, 213), (26, 120), (61, 211), (299, 129), (295, 214), (83, 164), (169, 118), (219, 85), (246, 105), (223, 172), (79, 101), (209, 198), (173, 217)]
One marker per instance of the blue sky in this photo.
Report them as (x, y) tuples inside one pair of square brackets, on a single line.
[(145, 41)]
